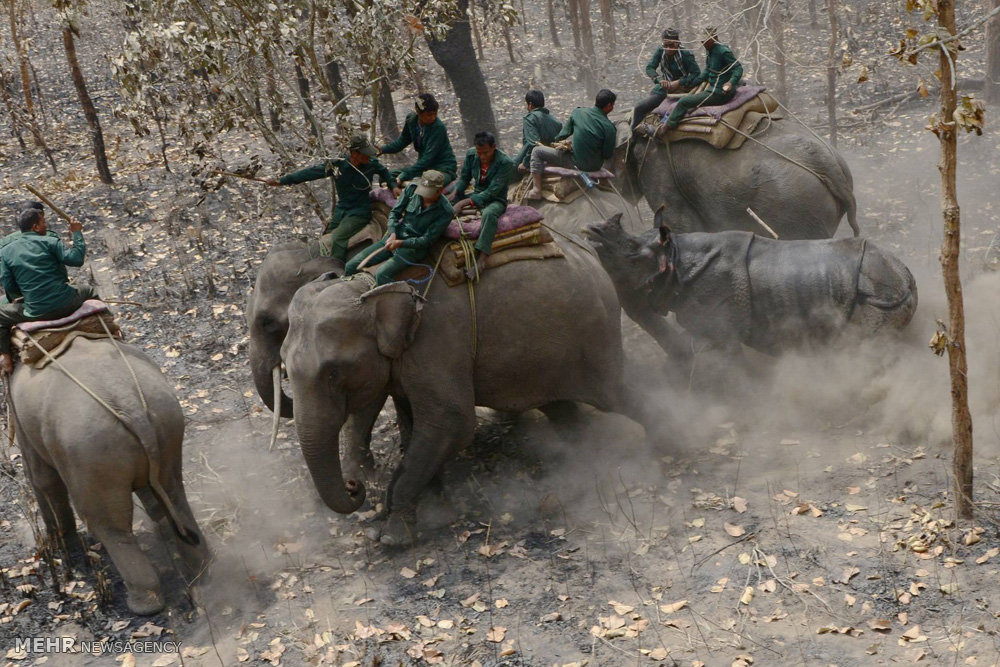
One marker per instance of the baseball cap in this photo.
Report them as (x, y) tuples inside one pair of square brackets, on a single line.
[(671, 33), (360, 143), (430, 182)]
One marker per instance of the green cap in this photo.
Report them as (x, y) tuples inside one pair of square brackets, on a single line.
[(360, 143), (430, 182)]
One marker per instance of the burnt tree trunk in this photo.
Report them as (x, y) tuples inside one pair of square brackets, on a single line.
[(302, 81), (93, 122), (23, 68), (475, 30), (992, 84), (574, 21), (452, 54), (331, 70), (271, 91), (961, 418), (777, 21), (550, 10), (15, 122), (831, 71), (588, 64), (388, 123)]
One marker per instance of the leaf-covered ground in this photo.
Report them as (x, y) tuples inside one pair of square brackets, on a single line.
[(802, 517)]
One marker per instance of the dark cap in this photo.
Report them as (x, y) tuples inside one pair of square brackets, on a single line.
[(671, 34), (360, 143)]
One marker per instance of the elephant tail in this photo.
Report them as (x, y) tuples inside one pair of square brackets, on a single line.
[(145, 433)]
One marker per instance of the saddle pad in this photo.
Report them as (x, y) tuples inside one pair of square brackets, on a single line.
[(515, 217), (720, 133), (565, 171), (743, 95), (88, 308), (57, 340)]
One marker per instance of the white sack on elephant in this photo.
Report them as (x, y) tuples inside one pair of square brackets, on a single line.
[(736, 287)]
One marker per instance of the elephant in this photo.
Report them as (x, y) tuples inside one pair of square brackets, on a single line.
[(514, 348), (95, 453), (737, 288), (596, 205), (796, 183)]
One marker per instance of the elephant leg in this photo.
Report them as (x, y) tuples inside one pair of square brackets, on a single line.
[(565, 419), (434, 438), (106, 506), (53, 501), (357, 433), (404, 421)]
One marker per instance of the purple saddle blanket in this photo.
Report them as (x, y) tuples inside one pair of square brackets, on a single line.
[(564, 171), (512, 218), (743, 94), (89, 307)]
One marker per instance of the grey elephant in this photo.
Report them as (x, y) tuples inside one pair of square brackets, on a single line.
[(76, 450), (796, 183), (349, 346), (737, 288)]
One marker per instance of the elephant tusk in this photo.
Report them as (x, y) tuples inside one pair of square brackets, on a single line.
[(276, 378)]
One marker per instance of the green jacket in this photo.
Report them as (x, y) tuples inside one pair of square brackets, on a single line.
[(13, 236), (494, 187), (418, 227), (353, 183), (432, 145), (721, 66), (539, 127), (679, 67), (34, 266), (593, 137)]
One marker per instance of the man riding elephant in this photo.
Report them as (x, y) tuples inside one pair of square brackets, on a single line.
[(593, 141), (417, 220), (34, 266), (353, 175), (672, 69), (722, 73), (491, 171), (538, 127), (429, 137)]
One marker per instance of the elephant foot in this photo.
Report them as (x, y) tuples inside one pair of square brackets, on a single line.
[(397, 530), (144, 602)]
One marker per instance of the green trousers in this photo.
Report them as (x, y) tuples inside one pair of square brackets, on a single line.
[(13, 313), (341, 230), (390, 263), (490, 214), (693, 101)]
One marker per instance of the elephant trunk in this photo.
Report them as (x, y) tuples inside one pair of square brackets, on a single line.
[(268, 383), (319, 436)]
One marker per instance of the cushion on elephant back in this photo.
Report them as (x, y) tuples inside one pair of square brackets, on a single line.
[(725, 126), (513, 218), (556, 188), (92, 320)]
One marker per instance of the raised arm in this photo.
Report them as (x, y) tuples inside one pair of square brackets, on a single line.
[(654, 63), (315, 172), (399, 143), (71, 256)]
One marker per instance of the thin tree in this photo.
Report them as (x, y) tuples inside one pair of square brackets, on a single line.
[(23, 67), (992, 87), (15, 123), (608, 26), (550, 10), (832, 66), (777, 26), (69, 34)]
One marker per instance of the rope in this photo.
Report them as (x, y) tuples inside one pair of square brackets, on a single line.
[(470, 258), (590, 199), (569, 238), (414, 281), (135, 379), (773, 150)]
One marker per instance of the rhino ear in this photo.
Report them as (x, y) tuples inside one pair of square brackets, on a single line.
[(615, 220), (660, 221), (395, 323)]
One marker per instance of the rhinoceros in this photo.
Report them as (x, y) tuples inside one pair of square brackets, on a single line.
[(735, 287)]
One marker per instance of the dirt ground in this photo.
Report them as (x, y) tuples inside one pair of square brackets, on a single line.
[(803, 516)]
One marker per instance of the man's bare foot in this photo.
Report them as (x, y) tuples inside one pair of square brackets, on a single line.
[(533, 193), (6, 364)]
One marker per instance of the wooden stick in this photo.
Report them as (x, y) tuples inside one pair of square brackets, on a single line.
[(233, 173), (48, 202), (761, 222)]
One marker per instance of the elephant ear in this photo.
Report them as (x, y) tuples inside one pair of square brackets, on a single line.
[(396, 320)]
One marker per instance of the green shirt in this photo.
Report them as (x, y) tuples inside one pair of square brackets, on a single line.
[(492, 188), (13, 236), (681, 66), (34, 266), (539, 127), (432, 145), (721, 67), (593, 137), (418, 227), (353, 183)]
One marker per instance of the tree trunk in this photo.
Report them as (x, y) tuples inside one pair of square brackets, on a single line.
[(831, 71), (751, 10), (574, 21), (271, 90), (388, 123), (303, 84), (992, 91), (475, 30), (335, 79), (96, 135), (22, 62), (452, 54), (689, 21), (813, 18), (553, 31), (781, 74), (588, 64), (15, 122), (961, 419), (510, 44), (608, 26)]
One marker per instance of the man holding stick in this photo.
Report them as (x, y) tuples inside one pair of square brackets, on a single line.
[(33, 266)]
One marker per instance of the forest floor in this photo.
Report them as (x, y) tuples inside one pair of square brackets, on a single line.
[(806, 519)]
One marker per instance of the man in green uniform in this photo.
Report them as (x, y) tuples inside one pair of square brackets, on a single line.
[(36, 205), (593, 141), (417, 220), (353, 175), (33, 266), (491, 171), (722, 72), (429, 138), (671, 68), (539, 127)]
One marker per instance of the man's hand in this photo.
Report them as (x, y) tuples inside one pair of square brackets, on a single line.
[(727, 86), (672, 86), (272, 181), (75, 225), (6, 364), (450, 193), (397, 191), (521, 169), (393, 244), (465, 203)]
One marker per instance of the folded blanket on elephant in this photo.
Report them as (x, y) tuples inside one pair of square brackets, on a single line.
[(513, 218), (718, 125), (560, 185), (532, 241), (55, 336)]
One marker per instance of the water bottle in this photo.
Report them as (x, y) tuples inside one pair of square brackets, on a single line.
[(587, 180)]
